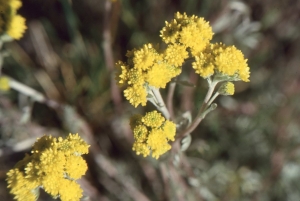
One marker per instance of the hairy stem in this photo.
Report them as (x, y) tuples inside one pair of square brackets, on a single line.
[(206, 103), (159, 102), (170, 99)]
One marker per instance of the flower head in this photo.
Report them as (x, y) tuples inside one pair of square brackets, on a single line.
[(223, 61), (54, 165), (159, 75), (152, 133), (17, 27), (153, 119), (136, 95), (175, 54), (226, 88), (190, 31), (11, 23), (145, 57)]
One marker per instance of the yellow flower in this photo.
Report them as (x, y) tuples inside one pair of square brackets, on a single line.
[(151, 134), (52, 183), (43, 144), (169, 129), (196, 35), (175, 54), (72, 145), (159, 75), (141, 148), (21, 188), (145, 57), (15, 4), (170, 33), (75, 167), (10, 22), (53, 165), (231, 61), (158, 143), (4, 83), (135, 77), (153, 119), (226, 88), (70, 191), (51, 161), (140, 133), (136, 95), (32, 172), (223, 61), (190, 31)]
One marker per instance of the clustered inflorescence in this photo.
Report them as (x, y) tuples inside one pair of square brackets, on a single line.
[(11, 23), (187, 37), (152, 133), (54, 165)]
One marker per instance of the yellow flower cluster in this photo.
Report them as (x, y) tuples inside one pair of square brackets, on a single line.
[(54, 165), (10, 22), (148, 69), (223, 61), (190, 31), (184, 34), (226, 89), (152, 133), (145, 67)]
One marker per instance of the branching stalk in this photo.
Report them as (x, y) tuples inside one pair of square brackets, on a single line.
[(204, 107), (159, 102)]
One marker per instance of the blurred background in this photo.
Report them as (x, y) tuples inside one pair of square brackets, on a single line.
[(248, 149)]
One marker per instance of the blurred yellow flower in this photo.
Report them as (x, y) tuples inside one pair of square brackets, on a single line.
[(11, 23), (15, 4), (17, 27), (54, 165), (4, 83), (75, 166), (70, 190), (22, 188)]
